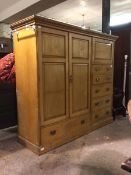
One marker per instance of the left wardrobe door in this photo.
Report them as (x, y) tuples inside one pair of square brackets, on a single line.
[(53, 71)]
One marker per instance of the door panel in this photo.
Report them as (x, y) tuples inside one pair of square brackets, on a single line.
[(80, 48), (54, 90), (54, 76), (53, 45), (80, 87), (79, 60)]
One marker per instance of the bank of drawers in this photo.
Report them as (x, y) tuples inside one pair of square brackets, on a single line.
[(101, 92)]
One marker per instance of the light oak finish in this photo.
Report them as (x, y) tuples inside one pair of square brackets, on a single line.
[(63, 79), (26, 84), (102, 81), (99, 103), (101, 90), (53, 75), (102, 51), (79, 74)]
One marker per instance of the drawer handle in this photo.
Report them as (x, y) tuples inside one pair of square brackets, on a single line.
[(97, 91), (97, 69), (97, 103), (107, 89), (97, 79), (82, 122), (107, 112), (96, 116), (107, 101), (108, 78), (53, 132)]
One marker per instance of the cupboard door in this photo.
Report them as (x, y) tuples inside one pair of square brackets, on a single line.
[(54, 76), (79, 74)]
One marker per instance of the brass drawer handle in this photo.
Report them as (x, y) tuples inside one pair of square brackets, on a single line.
[(96, 116), (97, 91), (53, 132), (97, 69), (97, 79), (97, 103), (107, 112), (107, 101), (107, 89), (108, 78), (82, 122)]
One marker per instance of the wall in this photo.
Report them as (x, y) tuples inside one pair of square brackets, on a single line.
[(5, 30)]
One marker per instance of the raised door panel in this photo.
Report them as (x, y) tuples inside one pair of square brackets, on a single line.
[(54, 90), (102, 51), (53, 66), (79, 76), (80, 48), (80, 73), (53, 45)]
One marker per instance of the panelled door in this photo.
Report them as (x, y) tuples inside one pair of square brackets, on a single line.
[(54, 75), (79, 74)]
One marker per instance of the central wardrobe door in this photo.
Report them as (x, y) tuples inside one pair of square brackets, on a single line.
[(79, 76), (54, 75)]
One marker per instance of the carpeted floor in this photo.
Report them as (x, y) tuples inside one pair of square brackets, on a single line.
[(98, 153)]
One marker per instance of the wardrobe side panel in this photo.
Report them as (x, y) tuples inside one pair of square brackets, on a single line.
[(26, 84)]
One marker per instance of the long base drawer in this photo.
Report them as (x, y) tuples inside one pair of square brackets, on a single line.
[(62, 132)]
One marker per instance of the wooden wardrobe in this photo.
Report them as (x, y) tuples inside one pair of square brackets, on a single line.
[(64, 81)]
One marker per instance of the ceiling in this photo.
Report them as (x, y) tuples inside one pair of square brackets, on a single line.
[(71, 11), (7, 3)]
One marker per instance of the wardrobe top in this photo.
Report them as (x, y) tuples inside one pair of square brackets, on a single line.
[(45, 22)]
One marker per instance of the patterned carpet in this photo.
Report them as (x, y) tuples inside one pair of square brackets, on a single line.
[(98, 153)]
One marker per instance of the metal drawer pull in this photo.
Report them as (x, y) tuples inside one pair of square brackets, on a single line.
[(97, 103), (82, 122), (53, 132), (96, 116), (97, 79), (107, 89), (107, 101), (97, 69), (97, 91), (107, 112)]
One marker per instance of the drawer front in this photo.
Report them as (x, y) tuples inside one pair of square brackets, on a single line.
[(102, 69), (101, 114), (50, 135), (101, 90), (100, 103), (98, 79), (77, 126), (103, 51)]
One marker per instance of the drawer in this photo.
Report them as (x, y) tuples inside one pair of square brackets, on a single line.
[(98, 79), (103, 51), (102, 69), (50, 135), (77, 126), (101, 90), (101, 114), (99, 103)]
